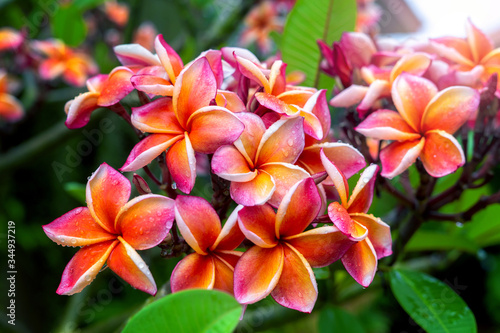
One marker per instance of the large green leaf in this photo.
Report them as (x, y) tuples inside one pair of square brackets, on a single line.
[(334, 319), (189, 311), (68, 25), (431, 303), (308, 22)]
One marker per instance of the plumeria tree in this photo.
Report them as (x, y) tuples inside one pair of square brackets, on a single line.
[(342, 168)]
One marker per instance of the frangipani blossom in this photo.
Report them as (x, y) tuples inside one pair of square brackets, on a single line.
[(423, 126), (184, 124), (380, 81), (211, 266), (474, 53), (110, 230), (280, 262), (117, 12), (372, 236), (260, 163), (61, 60), (104, 90), (10, 39), (11, 108)]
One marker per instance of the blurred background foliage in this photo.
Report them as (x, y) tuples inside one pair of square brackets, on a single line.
[(44, 168)]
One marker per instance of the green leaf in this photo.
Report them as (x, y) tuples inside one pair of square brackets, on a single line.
[(431, 303), (188, 311), (307, 22), (68, 25), (321, 273), (87, 4), (428, 240), (484, 227), (334, 319), (76, 191)]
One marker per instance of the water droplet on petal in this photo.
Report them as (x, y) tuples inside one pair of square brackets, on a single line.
[(290, 142), (365, 179), (88, 278), (174, 186)]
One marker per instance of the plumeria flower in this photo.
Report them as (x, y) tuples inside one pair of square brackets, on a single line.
[(61, 60), (103, 90), (280, 262), (260, 163), (372, 236), (474, 53), (211, 266), (110, 230), (117, 12), (380, 81), (423, 126), (11, 108), (145, 35), (10, 39), (184, 124)]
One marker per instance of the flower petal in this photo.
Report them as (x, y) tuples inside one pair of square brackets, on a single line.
[(116, 87), (360, 261), (258, 225), (376, 90), (135, 54), (107, 192), (230, 101), (84, 266), (198, 222), (152, 84), (195, 88), (341, 219), (284, 175), (299, 208), (253, 72), (480, 45), (128, 264), (194, 271), (337, 177), (450, 109), (254, 192), (296, 288), (349, 96), (282, 142), (212, 127), (257, 273), (454, 49), (230, 236), (321, 246), (214, 58), (181, 163), (250, 139), (414, 63), (411, 94), (157, 116), (398, 156), (76, 228), (228, 163), (49, 69), (442, 154), (224, 275), (358, 47), (148, 149), (169, 58), (78, 109), (379, 233), (386, 125), (362, 195), (145, 220), (318, 106)]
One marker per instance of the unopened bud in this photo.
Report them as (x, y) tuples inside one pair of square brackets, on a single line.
[(141, 185), (319, 177)]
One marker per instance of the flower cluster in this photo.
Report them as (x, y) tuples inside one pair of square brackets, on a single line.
[(271, 150)]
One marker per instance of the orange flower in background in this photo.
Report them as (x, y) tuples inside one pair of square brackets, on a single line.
[(61, 60), (212, 264), (10, 39), (117, 12), (110, 230), (476, 50), (372, 236), (145, 35), (11, 108), (259, 23), (280, 262), (423, 127)]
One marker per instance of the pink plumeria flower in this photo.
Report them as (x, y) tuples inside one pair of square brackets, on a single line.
[(10, 39), (380, 81), (280, 262), (423, 127), (110, 230), (103, 90), (184, 124), (63, 61), (211, 266), (11, 108), (260, 163), (372, 236)]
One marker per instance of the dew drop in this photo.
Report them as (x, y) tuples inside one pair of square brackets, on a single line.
[(141, 231), (174, 186), (365, 179), (88, 278), (73, 241), (290, 142), (459, 224)]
